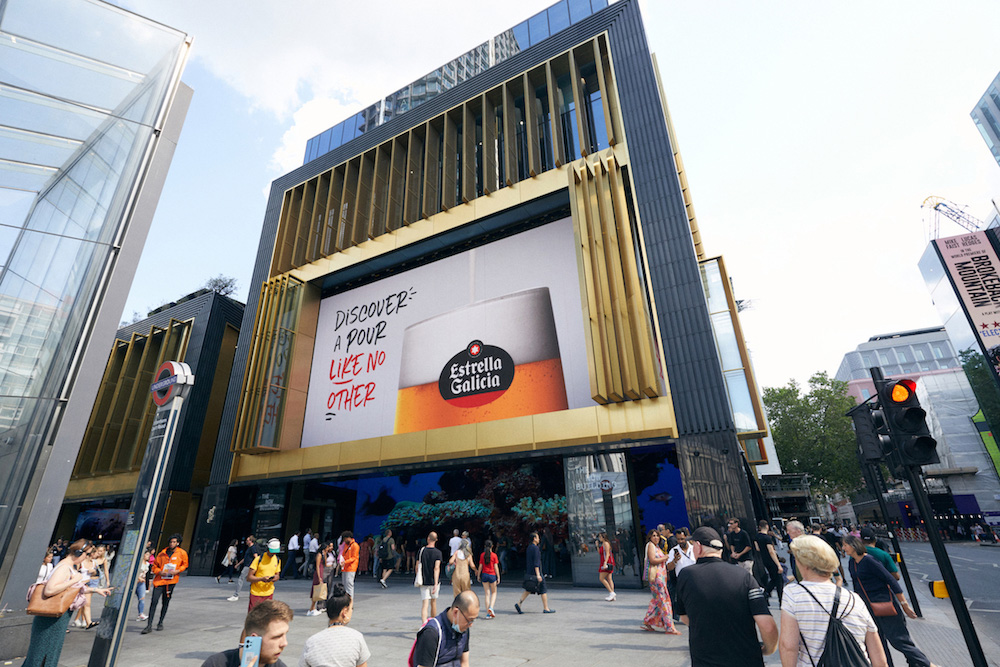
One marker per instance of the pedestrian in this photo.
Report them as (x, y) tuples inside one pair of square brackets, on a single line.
[(764, 547), (724, 607), (318, 591), (667, 539), (807, 607), (337, 645), (429, 562), (250, 552), (410, 548), (49, 632), (885, 601), (270, 621), (461, 560), (547, 546), (739, 545), (45, 571), (166, 569), (793, 529), (228, 563), (454, 543), (488, 573), (349, 565), (103, 566), (882, 556), (293, 557), (313, 550), (606, 565), (365, 555), (444, 639), (679, 558), (386, 557), (142, 582), (534, 582), (658, 614), (87, 567), (264, 571)]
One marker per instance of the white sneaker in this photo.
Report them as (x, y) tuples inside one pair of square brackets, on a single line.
[(312, 612), (233, 598)]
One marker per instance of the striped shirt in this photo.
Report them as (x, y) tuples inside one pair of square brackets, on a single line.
[(337, 646), (813, 621)]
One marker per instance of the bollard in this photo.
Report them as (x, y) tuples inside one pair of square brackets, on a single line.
[(938, 589)]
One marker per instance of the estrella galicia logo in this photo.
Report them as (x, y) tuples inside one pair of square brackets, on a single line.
[(477, 375)]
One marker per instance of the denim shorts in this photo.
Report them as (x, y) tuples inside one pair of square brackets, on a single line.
[(489, 578)]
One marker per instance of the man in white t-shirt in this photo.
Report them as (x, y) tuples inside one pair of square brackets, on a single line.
[(294, 557), (678, 558), (455, 543)]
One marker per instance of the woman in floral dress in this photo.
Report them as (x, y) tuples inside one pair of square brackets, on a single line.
[(659, 615)]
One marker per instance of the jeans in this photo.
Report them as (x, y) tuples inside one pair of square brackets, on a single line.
[(241, 579), (140, 592), (893, 631)]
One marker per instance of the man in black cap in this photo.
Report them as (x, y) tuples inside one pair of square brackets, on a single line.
[(724, 607)]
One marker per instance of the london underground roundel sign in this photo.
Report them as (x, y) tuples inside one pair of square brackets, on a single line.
[(171, 379)]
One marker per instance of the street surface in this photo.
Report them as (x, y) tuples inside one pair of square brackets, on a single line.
[(586, 630), (978, 571)]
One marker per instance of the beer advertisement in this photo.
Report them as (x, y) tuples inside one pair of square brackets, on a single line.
[(489, 333)]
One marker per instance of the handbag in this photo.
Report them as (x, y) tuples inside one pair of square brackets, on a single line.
[(880, 609), (418, 579), (52, 606), (449, 570), (530, 584)]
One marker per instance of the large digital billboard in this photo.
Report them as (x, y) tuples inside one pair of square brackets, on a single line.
[(490, 333)]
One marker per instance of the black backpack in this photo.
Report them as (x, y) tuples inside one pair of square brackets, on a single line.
[(841, 649), (383, 550)]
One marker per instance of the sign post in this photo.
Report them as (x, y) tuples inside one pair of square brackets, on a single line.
[(171, 385)]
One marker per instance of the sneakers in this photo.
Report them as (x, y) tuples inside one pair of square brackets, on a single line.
[(312, 612), (548, 611), (142, 617), (517, 606), (490, 614), (159, 626), (611, 597), (146, 630), (217, 579), (232, 598), (382, 583)]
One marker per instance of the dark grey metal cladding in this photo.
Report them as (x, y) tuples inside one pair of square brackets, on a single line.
[(699, 395)]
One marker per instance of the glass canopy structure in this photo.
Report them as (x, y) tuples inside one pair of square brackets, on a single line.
[(84, 91)]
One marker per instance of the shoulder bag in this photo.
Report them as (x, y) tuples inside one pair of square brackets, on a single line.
[(880, 609), (418, 579), (52, 606), (840, 648)]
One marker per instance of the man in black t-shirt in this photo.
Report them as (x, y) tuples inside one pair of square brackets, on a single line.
[(739, 546), (430, 573), (764, 546), (724, 607)]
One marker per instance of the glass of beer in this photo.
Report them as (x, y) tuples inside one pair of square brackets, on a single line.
[(489, 360)]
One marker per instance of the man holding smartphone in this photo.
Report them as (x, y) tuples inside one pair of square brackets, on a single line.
[(264, 637), (264, 571)]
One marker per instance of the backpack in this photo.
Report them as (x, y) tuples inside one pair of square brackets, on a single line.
[(411, 661), (841, 649), (383, 550)]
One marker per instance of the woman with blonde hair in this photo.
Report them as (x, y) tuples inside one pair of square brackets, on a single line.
[(808, 607)]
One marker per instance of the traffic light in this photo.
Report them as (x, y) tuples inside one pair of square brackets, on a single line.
[(869, 428), (907, 422)]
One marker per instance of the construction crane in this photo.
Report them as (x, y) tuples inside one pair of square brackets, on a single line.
[(939, 206)]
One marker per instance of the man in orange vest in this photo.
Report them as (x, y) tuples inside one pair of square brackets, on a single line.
[(168, 564)]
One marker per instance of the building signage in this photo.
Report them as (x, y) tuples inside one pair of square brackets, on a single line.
[(972, 264), (486, 334)]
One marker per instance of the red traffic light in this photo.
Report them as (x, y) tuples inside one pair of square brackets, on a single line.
[(902, 391)]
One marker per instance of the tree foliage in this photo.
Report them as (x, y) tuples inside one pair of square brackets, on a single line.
[(812, 433), (224, 285), (983, 386)]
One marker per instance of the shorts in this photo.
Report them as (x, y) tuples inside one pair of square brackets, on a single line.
[(257, 599), (489, 578), (429, 592)]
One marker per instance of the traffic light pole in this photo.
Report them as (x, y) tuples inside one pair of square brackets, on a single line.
[(944, 564)]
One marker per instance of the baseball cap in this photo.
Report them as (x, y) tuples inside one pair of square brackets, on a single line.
[(867, 534), (274, 545), (707, 537)]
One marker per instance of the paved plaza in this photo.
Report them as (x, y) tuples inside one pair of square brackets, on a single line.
[(586, 630)]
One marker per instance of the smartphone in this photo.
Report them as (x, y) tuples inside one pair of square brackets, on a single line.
[(251, 651)]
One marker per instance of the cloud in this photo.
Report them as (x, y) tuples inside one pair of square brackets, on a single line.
[(312, 118)]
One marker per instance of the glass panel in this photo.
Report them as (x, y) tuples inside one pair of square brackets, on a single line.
[(558, 17), (739, 398), (598, 5), (579, 9), (521, 35), (725, 337), (598, 500), (538, 27), (715, 293)]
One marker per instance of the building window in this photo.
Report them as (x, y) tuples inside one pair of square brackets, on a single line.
[(883, 359), (865, 394), (919, 354), (901, 356)]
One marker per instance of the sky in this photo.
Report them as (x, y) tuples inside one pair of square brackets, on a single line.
[(811, 133)]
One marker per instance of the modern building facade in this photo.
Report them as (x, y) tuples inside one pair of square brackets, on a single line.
[(89, 124), (486, 311), (986, 116), (201, 330)]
